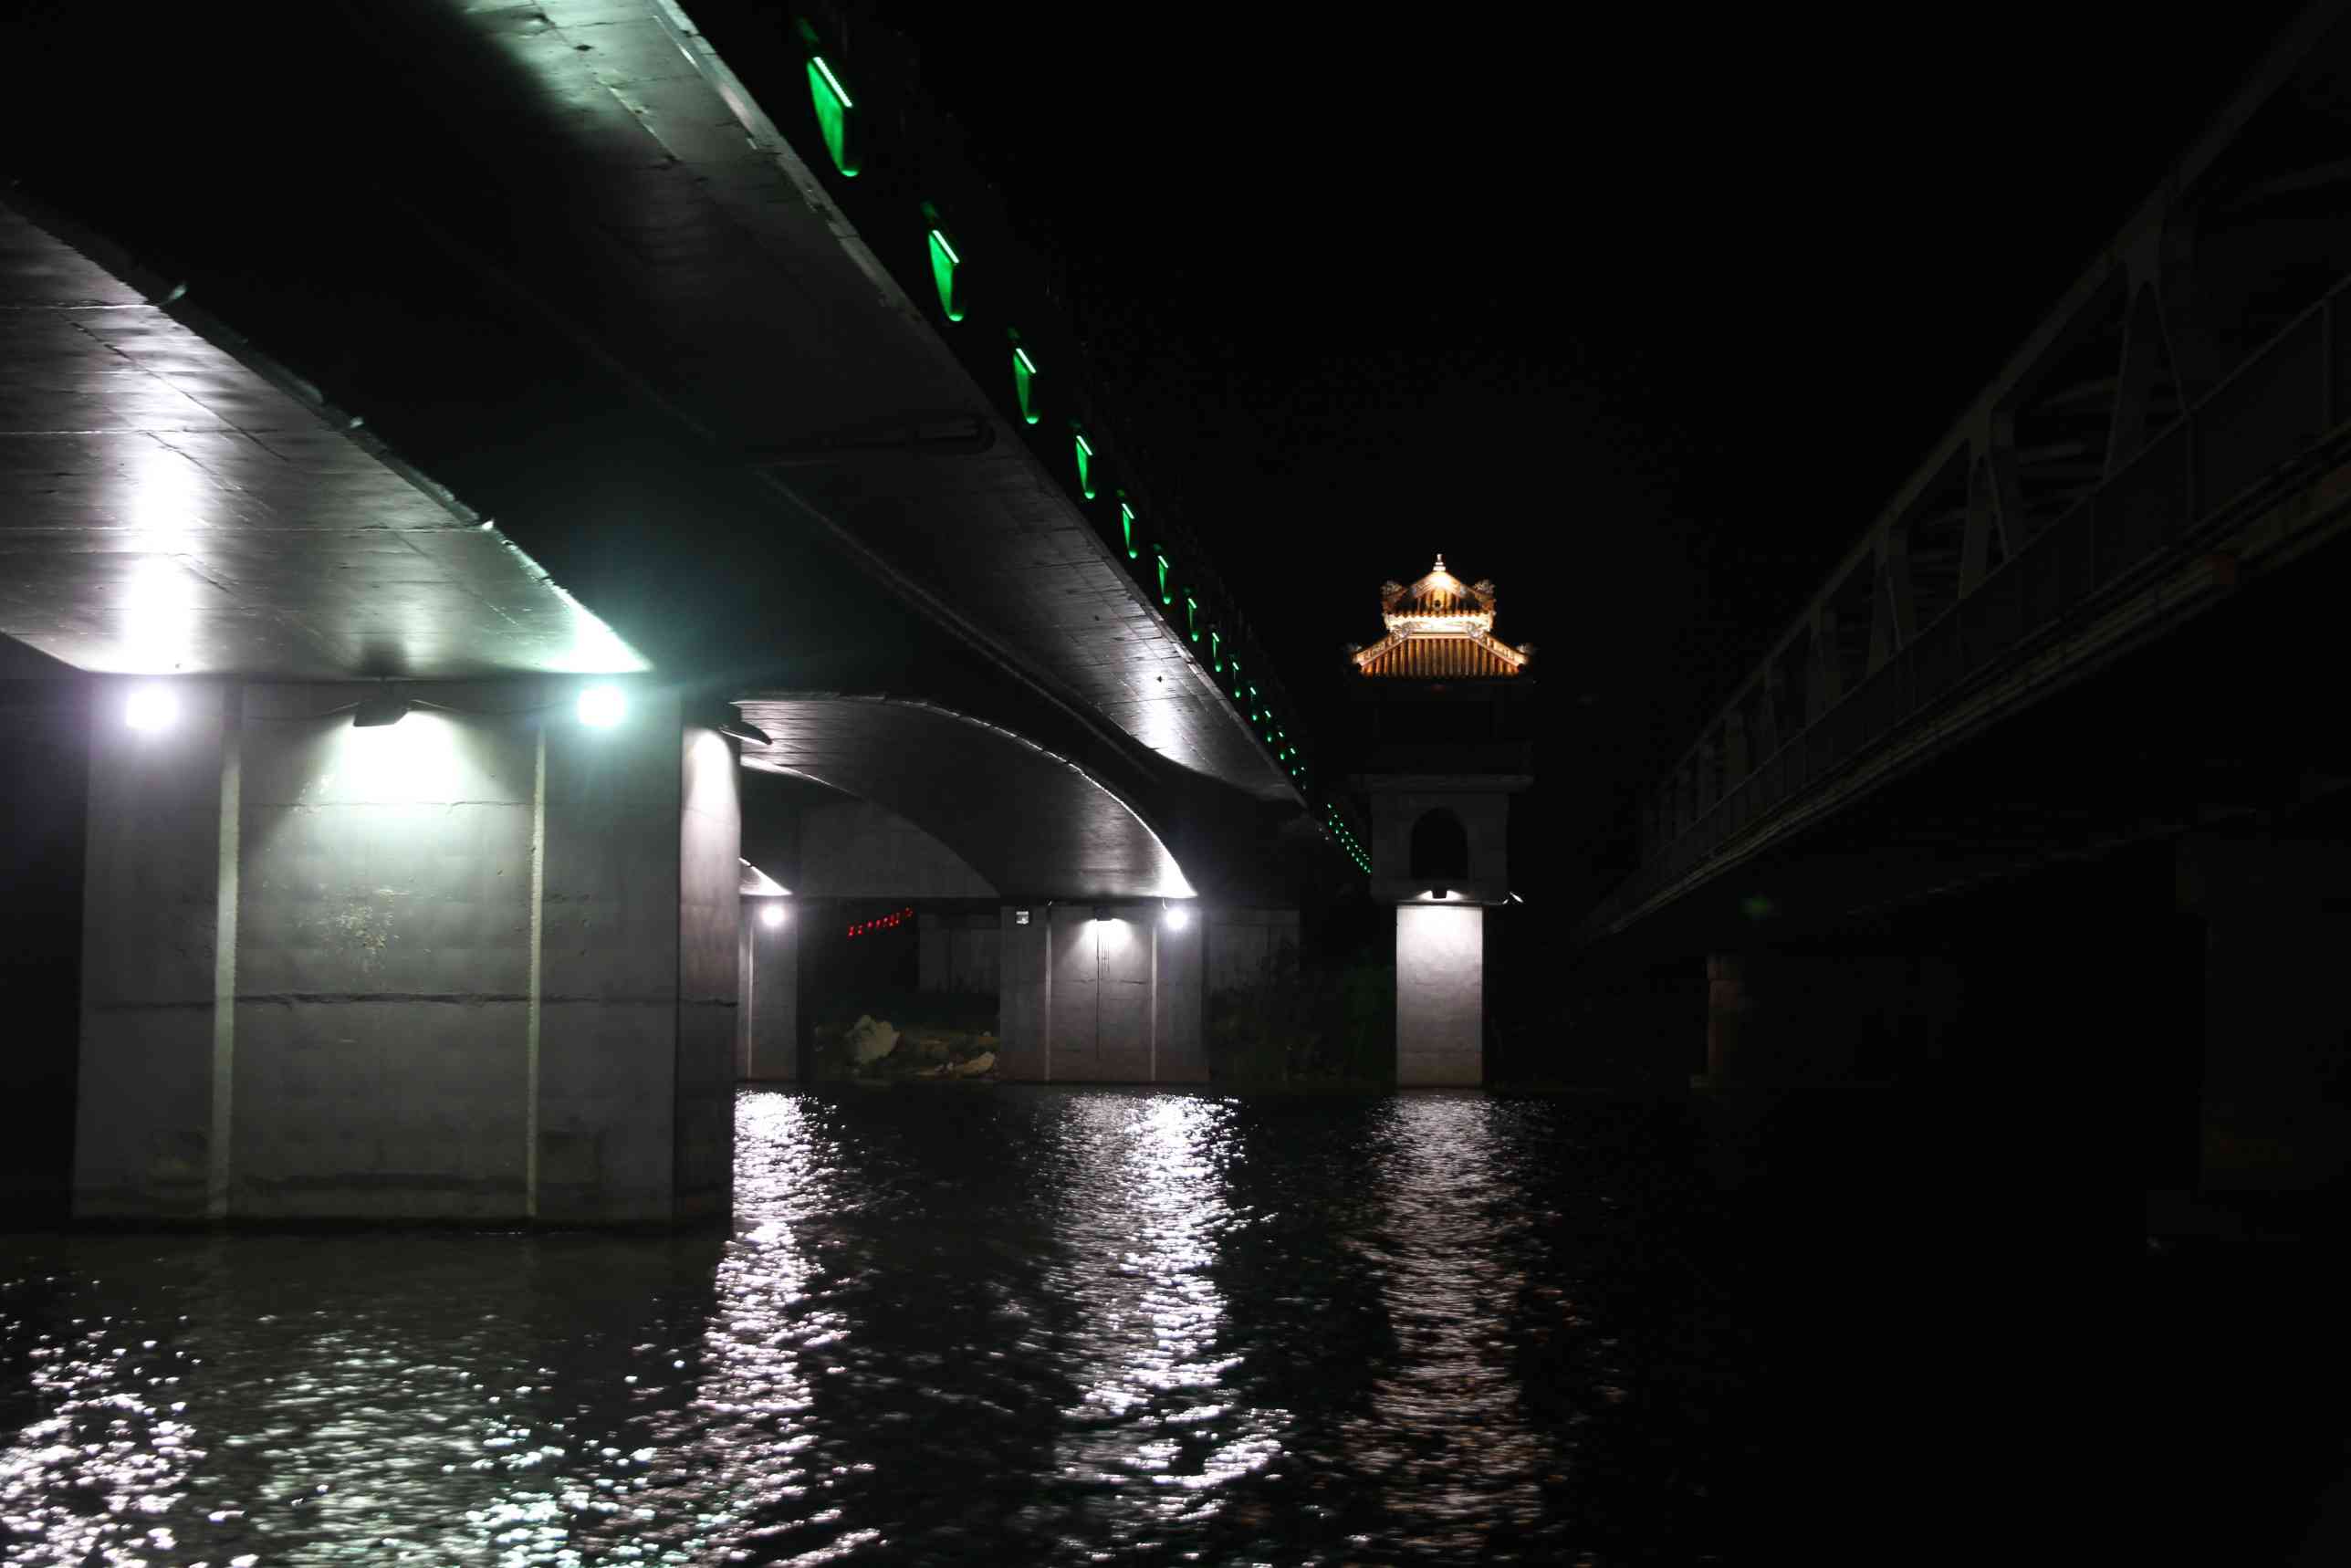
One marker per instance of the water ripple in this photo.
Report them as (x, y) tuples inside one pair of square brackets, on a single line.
[(1032, 1326)]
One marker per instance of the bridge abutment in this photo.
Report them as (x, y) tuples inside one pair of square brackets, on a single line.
[(2271, 915), (1786, 1019), (477, 965)]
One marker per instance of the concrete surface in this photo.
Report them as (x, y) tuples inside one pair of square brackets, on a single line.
[(1110, 1000), (1440, 994), (960, 951), (768, 1033), (1241, 948), (479, 965), (854, 849)]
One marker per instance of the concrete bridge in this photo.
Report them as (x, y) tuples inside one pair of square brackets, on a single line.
[(2042, 791), (437, 483)]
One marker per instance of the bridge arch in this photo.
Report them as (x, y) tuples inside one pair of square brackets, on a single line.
[(1033, 823)]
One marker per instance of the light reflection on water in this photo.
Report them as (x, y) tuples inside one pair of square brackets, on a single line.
[(1157, 1430), (1445, 1434), (1040, 1326)]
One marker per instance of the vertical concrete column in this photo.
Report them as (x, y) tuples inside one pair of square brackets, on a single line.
[(1440, 994), (768, 1036), (44, 861), (609, 984), (746, 968), (934, 952), (1074, 1000), (2271, 1076), (151, 951), (710, 847), (1024, 995), (1179, 1002), (1726, 1012)]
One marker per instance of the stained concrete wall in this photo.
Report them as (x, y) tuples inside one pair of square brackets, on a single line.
[(474, 966), (44, 806), (1776, 1019), (1023, 996), (1115, 1001), (960, 951), (1179, 1040), (382, 960), (1243, 947), (2273, 1078), (768, 1033), (853, 849), (1440, 994), (143, 1124)]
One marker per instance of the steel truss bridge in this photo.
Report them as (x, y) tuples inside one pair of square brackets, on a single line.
[(2172, 434)]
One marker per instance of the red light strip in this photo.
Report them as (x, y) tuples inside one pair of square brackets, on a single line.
[(883, 922)]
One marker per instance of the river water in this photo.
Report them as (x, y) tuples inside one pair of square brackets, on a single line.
[(1021, 1325)]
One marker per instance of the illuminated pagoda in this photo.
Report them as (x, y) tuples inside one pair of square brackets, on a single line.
[(1452, 723), (1440, 629)]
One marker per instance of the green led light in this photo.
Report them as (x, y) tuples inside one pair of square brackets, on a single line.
[(1166, 597), (1192, 616), (1024, 382), (833, 107), (943, 262), (1126, 529), (1085, 465), (1217, 649)]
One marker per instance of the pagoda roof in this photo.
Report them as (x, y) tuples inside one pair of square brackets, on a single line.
[(1440, 593), (1439, 628)]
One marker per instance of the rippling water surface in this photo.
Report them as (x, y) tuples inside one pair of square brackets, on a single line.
[(1025, 1325)]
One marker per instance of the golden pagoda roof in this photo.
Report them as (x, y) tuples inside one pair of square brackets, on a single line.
[(1438, 595), (1439, 628)]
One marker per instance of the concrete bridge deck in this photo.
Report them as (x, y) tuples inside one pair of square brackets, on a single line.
[(495, 351)]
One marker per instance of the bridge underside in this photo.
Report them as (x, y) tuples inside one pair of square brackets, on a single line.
[(528, 297), (580, 288), (1034, 824)]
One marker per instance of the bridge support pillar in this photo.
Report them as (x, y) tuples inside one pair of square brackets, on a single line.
[(768, 1020), (1780, 1019), (1440, 996), (1102, 993), (2273, 1103), (477, 965)]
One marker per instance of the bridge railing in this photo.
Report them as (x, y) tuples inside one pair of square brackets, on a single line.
[(2197, 479)]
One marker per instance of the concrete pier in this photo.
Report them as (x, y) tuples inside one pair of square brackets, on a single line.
[(477, 964), (1109, 993), (1440, 994), (767, 1031)]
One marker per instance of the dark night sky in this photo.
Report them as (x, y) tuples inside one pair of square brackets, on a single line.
[(1643, 318)]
